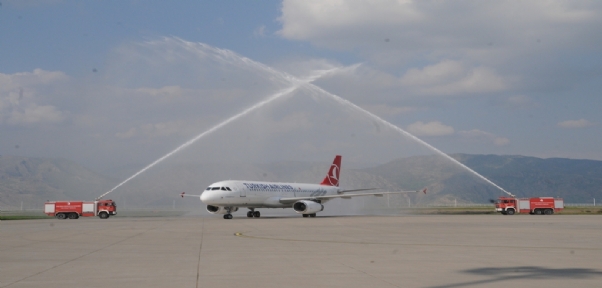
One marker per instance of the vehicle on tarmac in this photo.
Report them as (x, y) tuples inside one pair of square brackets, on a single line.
[(75, 209), (534, 206), (226, 197)]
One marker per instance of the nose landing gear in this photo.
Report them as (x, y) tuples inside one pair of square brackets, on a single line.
[(229, 214)]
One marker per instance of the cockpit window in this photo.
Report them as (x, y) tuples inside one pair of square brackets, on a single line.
[(215, 188), (208, 188), (224, 188), (228, 188)]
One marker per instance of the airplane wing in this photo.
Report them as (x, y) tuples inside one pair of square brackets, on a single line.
[(345, 196)]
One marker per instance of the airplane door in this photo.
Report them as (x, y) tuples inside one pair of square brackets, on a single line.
[(243, 191)]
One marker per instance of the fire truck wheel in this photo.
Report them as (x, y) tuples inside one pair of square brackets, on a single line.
[(504, 213), (537, 212), (61, 216), (72, 216), (510, 212), (103, 215), (548, 212)]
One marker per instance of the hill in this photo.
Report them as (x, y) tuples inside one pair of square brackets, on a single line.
[(35, 180)]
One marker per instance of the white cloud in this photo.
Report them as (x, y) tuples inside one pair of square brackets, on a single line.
[(166, 91), (23, 96), (301, 18), (483, 136), (518, 42), (570, 124), (259, 31), (156, 130), (438, 25), (451, 78), (34, 114), (127, 134), (433, 128)]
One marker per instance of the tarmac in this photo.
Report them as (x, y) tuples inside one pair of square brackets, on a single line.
[(350, 251)]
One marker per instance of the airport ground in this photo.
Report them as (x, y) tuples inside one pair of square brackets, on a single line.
[(409, 250)]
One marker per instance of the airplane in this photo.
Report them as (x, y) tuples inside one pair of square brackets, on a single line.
[(228, 196)]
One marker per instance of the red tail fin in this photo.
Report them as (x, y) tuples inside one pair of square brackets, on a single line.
[(332, 178)]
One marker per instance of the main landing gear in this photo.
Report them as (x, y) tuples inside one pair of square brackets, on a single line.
[(229, 214), (253, 213), (309, 215)]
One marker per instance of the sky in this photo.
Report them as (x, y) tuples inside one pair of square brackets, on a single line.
[(112, 84)]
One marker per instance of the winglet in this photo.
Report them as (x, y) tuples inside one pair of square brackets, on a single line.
[(424, 191), (332, 178), (182, 194)]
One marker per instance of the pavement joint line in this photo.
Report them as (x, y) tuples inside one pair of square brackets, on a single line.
[(241, 235), (198, 267), (79, 257)]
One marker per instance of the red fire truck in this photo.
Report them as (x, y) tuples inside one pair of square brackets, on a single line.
[(537, 205), (74, 209)]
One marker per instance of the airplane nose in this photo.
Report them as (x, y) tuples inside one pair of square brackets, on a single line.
[(207, 197)]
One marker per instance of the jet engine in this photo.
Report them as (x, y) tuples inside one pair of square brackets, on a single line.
[(307, 207), (219, 209)]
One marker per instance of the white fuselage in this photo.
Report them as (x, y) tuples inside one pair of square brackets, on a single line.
[(257, 194)]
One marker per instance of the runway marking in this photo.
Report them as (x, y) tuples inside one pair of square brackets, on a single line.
[(241, 235)]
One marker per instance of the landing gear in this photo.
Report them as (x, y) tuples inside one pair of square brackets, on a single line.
[(253, 213), (305, 215), (309, 215), (312, 215), (228, 215)]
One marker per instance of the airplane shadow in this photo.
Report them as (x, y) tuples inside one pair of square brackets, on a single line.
[(524, 272)]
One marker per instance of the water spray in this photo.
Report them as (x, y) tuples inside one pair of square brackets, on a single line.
[(340, 100), (296, 84), (229, 56), (403, 132)]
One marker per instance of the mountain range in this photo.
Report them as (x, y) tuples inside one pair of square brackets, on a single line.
[(32, 181)]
